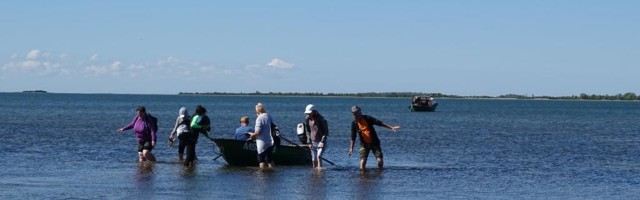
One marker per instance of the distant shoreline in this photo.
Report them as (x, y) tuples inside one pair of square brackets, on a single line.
[(582, 97), (619, 97)]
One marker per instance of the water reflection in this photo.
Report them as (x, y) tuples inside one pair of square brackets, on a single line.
[(368, 183), (145, 170), (316, 185), (189, 172), (145, 179), (262, 184)]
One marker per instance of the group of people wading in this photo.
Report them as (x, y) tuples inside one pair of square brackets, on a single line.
[(316, 129)]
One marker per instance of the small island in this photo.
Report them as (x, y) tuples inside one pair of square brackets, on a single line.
[(34, 91)]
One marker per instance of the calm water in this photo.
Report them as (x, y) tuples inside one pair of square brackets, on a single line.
[(65, 146)]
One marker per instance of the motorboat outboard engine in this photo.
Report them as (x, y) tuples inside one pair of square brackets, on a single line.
[(301, 135)]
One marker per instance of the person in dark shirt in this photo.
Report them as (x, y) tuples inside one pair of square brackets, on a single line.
[(200, 124), (362, 126), (317, 130)]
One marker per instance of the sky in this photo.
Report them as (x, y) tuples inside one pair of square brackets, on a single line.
[(490, 47)]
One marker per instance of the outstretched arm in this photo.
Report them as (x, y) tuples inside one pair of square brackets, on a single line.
[(129, 126), (393, 128)]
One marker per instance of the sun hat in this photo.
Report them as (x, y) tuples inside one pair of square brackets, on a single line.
[(310, 108), (355, 109)]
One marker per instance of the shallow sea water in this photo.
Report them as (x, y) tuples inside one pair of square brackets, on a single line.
[(59, 146)]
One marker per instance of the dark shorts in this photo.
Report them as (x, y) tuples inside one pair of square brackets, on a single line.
[(144, 146), (364, 151), (266, 156)]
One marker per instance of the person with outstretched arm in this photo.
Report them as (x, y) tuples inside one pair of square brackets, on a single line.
[(145, 128), (362, 126)]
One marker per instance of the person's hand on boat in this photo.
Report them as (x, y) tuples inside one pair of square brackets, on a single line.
[(252, 135)]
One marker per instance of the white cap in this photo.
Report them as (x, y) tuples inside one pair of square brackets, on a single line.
[(309, 109)]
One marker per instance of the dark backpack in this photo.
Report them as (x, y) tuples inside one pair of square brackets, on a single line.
[(275, 134), (153, 123)]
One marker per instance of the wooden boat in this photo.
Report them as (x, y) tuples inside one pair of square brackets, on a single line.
[(243, 153), (423, 104)]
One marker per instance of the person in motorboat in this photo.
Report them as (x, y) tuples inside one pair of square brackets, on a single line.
[(242, 132)]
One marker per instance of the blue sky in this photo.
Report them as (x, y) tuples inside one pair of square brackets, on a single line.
[(543, 47)]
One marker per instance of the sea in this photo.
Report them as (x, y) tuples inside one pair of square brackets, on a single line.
[(65, 146)]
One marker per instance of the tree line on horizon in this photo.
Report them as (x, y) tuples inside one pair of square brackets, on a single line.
[(583, 96)]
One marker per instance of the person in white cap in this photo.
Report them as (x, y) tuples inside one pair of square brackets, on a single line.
[(362, 126), (317, 130)]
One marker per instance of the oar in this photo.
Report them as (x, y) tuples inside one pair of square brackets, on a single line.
[(290, 142), (209, 137)]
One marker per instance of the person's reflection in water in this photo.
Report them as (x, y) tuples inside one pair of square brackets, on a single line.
[(189, 171), (262, 181), (317, 185), (145, 180), (367, 185)]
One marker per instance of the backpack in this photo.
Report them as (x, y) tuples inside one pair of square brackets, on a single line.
[(275, 134), (153, 125), (183, 128)]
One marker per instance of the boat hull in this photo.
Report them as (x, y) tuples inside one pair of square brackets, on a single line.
[(243, 153), (418, 108)]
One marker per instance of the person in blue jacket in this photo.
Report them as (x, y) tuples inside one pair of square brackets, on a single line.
[(242, 132)]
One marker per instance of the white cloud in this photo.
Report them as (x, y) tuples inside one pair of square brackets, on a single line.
[(114, 68), (33, 54), (280, 64), (27, 65), (137, 67), (39, 62), (168, 61)]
